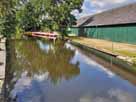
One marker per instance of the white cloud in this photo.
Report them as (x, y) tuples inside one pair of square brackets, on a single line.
[(108, 4), (103, 3), (96, 6), (75, 13)]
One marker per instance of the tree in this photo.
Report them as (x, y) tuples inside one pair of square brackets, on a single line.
[(4, 6), (29, 19), (54, 14), (7, 17), (9, 24), (35, 15), (59, 12)]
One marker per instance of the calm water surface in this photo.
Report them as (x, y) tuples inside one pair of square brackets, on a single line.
[(39, 71)]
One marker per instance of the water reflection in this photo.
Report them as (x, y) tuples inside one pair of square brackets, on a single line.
[(39, 71), (31, 57), (113, 95), (41, 60)]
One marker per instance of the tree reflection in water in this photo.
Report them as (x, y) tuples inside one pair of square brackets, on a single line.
[(36, 58)]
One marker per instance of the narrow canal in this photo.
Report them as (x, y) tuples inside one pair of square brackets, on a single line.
[(40, 71)]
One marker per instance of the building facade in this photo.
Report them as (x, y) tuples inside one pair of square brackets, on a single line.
[(118, 25)]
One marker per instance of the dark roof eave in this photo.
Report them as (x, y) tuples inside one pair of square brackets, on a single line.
[(121, 24)]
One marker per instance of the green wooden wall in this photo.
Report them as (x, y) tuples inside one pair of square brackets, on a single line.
[(125, 34), (73, 31)]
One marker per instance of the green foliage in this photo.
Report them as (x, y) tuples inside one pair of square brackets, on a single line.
[(4, 6), (7, 17), (60, 13), (29, 18), (35, 15), (9, 25), (134, 61)]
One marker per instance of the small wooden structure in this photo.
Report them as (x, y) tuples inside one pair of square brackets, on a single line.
[(48, 35)]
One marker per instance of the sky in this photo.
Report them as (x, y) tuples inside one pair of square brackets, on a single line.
[(91, 7)]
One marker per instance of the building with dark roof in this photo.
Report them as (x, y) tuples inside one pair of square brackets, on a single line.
[(117, 24)]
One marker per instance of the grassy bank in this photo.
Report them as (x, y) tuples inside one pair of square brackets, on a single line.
[(127, 51), (108, 57)]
